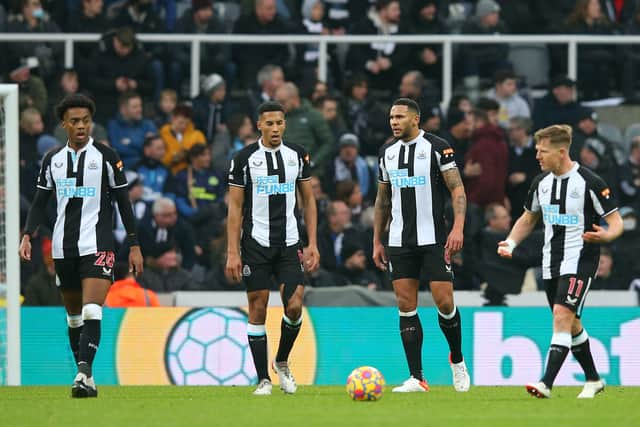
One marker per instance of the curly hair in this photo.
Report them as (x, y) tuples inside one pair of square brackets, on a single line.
[(76, 100)]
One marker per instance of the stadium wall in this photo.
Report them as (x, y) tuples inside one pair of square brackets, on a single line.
[(207, 346)]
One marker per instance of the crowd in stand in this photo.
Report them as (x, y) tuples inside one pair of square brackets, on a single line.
[(177, 150)]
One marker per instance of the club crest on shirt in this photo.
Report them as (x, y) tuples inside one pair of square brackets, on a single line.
[(422, 155), (575, 194), (93, 165), (246, 271), (291, 161)]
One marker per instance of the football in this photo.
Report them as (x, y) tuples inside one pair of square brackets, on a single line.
[(365, 384)]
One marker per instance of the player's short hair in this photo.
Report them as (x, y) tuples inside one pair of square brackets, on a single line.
[(76, 100), (501, 75), (556, 134), (269, 106), (182, 110), (409, 103)]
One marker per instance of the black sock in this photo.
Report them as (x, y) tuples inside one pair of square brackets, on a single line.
[(74, 341), (411, 333), (258, 343), (288, 333), (558, 351), (89, 342), (452, 330), (582, 353)]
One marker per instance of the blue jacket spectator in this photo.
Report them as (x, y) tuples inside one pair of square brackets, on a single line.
[(198, 186), (128, 129), (156, 178)]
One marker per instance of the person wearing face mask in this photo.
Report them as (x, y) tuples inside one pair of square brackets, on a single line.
[(47, 57)]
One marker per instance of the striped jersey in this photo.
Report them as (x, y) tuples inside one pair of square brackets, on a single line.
[(570, 204), (269, 177), (414, 169), (82, 182)]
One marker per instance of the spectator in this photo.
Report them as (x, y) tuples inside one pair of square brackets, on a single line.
[(87, 17), (164, 107), (364, 116), (627, 247), (333, 234), (595, 62), (458, 134), (165, 228), (140, 207), (128, 129), (179, 135), (594, 150), (631, 58), (319, 90), (353, 272), (235, 137), (164, 273), (492, 108), (46, 56), (209, 107), (270, 78), (41, 288), (607, 277), (251, 58), (431, 120), (328, 107), (126, 292), (140, 16), (348, 191), (305, 126), (215, 57), (505, 91), (119, 66), (68, 84), (523, 165), (413, 86), (322, 200), (482, 60), (630, 178), (198, 186), (557, 106), (490, 151), (348, 165), (31, 128), (383, 62), (460, 102), (426, 20), (503, 276), (312, 23), (341, 15), (156, 178)]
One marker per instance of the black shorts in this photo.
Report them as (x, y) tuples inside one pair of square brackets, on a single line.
[(408, 262), (260, 266), (569, 291), (71, 271)]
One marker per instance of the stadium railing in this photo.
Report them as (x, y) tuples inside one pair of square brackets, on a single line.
[(447, 42)]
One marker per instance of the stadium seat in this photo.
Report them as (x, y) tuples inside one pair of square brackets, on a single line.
[(611, 132), (531, 60)]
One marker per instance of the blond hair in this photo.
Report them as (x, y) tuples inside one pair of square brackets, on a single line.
[(556, 134)]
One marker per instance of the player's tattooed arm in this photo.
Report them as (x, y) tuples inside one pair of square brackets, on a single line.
[(382, 212), (453, 180)]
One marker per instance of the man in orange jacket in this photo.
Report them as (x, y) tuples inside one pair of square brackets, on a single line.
[(126, 292)]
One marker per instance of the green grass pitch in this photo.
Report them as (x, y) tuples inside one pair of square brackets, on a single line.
[(325, 406)]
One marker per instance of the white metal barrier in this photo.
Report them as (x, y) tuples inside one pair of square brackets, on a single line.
[(447, 42)]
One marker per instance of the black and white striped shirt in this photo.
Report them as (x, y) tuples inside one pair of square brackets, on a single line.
[(414, 171), (569, 205), (82, 182), (269, 177)]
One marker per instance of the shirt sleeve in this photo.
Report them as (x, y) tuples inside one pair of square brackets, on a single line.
[(45, 180), (601, 197), (237, 175), (445, 155), (532, 203), (383, 174), (305, 166), (115, 170)]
